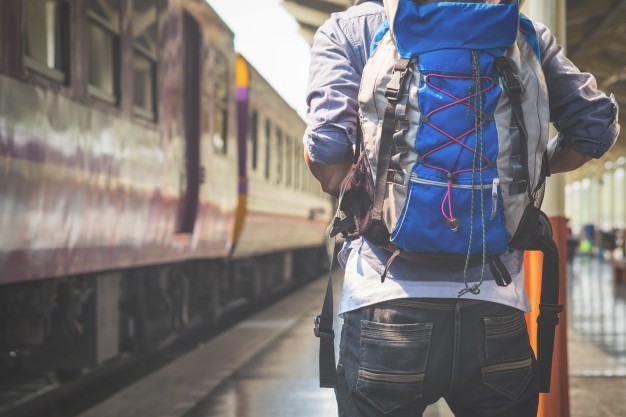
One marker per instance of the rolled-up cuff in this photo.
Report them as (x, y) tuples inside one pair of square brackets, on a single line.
[(593, 147), (326, 147)]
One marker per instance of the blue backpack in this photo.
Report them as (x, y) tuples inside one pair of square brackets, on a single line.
[(459, 162), (452, 153)]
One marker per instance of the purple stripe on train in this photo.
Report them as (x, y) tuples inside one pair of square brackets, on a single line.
[(243, 186), (241, 93)]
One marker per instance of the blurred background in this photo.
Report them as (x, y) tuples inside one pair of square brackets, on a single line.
[(154, 201)]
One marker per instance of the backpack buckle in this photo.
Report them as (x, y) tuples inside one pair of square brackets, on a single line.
[(343, 223), (395, 86), (506, 69), (321, 333), (394, 89), (512, 85), (549, 313)]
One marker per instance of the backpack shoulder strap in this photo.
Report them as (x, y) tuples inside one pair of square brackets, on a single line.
[(393, 91), (527, 28)]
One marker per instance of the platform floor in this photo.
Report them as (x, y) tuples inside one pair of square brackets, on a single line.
[(282, 380), (267, 365), (596, 339)]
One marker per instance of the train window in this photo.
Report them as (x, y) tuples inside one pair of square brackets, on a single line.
[(104, 34), (145, 58), (304, 172), (268, 147), (297, 159), (288, 159), (46, 37), (301, 167), (279, 156), (220, 133), (296, 165), (254, 138)]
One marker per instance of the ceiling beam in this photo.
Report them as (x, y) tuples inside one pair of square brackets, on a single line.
[(614, 14)]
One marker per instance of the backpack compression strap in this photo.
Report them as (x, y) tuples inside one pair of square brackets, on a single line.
[(394, 90), (514, 89), (324, 322), (535, 233)]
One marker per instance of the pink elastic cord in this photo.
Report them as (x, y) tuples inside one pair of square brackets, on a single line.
[(447, 197), (465, 101)]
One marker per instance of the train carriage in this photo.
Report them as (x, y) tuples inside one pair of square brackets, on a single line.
[(283, 201), (106, 170), (138, 195)]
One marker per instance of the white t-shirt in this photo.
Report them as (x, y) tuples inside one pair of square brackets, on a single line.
[(362, 286)]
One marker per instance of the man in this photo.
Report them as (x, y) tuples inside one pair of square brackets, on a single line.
[(411, 340)]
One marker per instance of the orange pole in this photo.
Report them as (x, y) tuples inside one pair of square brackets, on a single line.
[(555, 403)]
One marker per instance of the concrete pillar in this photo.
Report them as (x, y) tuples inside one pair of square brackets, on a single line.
[(552, 13), (556, 403)]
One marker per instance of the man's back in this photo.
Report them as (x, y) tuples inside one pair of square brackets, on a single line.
[(410, 340)]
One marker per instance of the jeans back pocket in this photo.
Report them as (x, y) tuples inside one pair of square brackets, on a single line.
[(509, 357), (392, 363)]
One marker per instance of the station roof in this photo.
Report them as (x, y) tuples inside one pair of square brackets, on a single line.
[(596, 42)]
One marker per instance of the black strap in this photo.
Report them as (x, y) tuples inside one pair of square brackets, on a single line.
[(514, 89), (358, 141), (536, 236), (393, 92), (324, 324), (343, 223), (393, 256), (549, 309), (535, 233)]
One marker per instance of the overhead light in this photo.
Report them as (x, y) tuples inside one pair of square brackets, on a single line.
[(608, 165)]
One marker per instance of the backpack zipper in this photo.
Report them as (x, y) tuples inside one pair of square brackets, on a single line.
[(494, 197), (415, 178), (493, 186)]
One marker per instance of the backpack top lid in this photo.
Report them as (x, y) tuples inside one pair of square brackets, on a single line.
[(419, 28)]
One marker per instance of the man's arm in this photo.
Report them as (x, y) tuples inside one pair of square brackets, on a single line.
[(584, 116), (332, 114), (338, 54)]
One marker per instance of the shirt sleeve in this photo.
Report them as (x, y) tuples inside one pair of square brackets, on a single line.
[(332, 96), (587, 120)]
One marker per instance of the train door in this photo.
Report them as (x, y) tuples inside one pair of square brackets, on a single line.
[(190, 186)]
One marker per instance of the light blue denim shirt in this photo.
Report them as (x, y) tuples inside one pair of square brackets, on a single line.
[(585, 117)]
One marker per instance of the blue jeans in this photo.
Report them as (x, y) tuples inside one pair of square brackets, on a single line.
[(399, 356)]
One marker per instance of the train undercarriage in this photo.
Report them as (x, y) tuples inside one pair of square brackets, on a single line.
[(53, 331)]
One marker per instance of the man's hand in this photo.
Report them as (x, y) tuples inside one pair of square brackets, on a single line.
[(330, 176)]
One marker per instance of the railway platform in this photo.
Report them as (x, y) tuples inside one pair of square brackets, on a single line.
[(267, 365)]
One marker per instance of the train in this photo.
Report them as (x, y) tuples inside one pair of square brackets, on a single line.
[(150, 180)]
